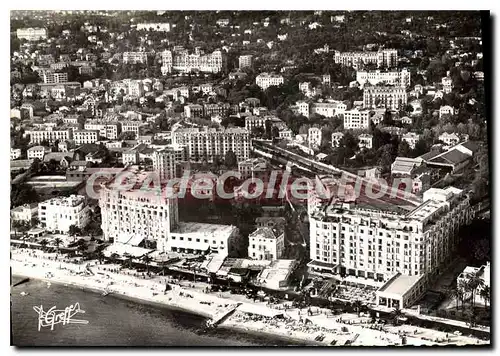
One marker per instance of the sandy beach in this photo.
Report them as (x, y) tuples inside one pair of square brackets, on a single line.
[(292, 323)]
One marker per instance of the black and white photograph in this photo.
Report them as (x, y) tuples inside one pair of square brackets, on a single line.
[(250, 178)]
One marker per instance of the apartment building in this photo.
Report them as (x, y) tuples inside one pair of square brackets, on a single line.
[(314, 136), (135, 88), (58, 214), (208, 143), (266, 243), (390, 97), (156, 26), (135, 57), (15, 153), (137, 214), (50, 134), (37, 152), (109, 130), (193, 110), (245, 61), (265, 80), (365, 141), (255, 121), (303, 108), (218, 109), (383, 58), (50, 77), (357, 119), (373, 77), (131, 126), (31, 34), (372, 244), (81, 137), (165, 160)]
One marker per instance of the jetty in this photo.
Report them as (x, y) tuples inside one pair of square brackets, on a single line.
[(221, 316), (22, 281)]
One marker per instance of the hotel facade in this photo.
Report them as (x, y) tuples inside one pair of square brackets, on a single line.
[(390, 97)]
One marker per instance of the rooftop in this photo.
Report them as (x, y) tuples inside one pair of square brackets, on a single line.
[(399, 284), (196, 229)]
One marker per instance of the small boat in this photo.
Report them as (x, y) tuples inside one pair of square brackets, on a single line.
[(24, 294), (105, 293), (49, 284)]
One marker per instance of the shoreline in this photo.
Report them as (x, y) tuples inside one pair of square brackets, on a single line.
[(117, 295)]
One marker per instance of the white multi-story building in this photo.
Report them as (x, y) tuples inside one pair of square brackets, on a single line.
[(371, 245), (266, 243), (150, 26), (390, 97), (135, 57), (265, 80), (50, 134), (81, 137), (483, 272), (24, 213), (255, 121), (31, 34), (411, 139), (179, 60), (328, 109), (136, 214), (245, 61), (303, 108), (450, 139), (50, 77), (131, 126), (135, 88), (336, 138), (15, 153), (383, 58), (208, 143), (37, 152), (164, 161), (373, 77), (199, 238), (106, 129), (58, 214), (446, 110), (314, 136), (365, 141), (356, 119)]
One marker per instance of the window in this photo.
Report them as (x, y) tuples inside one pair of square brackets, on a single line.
[(181, 238), (197, 240), (190, 239), (173, 237)]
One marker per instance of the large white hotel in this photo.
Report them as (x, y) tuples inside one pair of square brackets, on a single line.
[(390, 97), (31, 34), (265, 80), (382, 58), (394, 77), (372, 244), (208, 143), (180, 60), (133, 215)]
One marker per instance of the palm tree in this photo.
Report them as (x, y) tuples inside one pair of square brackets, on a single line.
[(129, 259), (44, 243), (458, 294), (474, 282), (57, 242), (114, 256), (147, 260), (485, 294), (82, 249), (357, 305), (396, 313), (463, 288)]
